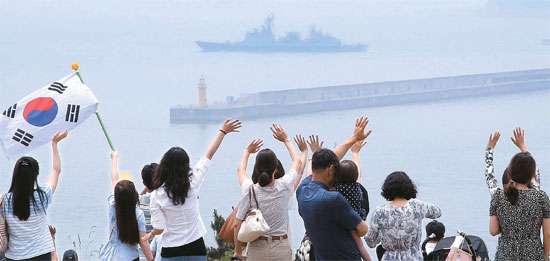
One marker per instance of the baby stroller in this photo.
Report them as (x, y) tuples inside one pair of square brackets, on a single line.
[(471, 245)]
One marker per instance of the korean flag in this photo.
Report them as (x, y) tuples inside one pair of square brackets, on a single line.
[(33, 120)]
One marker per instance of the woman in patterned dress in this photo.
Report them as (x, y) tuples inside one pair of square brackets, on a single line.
[(398, 225), (518, 213)]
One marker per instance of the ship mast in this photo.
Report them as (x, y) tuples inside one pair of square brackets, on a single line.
[(202, 93)]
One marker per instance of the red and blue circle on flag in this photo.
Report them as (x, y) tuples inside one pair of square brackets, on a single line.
[(40, 111)]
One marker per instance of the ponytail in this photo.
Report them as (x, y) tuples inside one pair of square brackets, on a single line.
[(512, 193), (264, 179), (522, 169)]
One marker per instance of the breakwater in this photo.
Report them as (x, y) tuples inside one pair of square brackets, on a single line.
[(343, 97)]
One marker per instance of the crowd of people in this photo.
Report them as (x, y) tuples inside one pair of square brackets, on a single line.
[(164, 223)]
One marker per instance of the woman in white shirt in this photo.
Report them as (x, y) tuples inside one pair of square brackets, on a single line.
[(175, 201), (25, 205), (272, 197)]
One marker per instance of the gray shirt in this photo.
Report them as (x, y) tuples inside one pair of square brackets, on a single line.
[(273, 203)]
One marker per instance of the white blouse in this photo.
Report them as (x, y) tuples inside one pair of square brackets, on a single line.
[(182, 224)]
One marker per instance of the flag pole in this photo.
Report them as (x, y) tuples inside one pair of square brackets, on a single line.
[(75, 67)]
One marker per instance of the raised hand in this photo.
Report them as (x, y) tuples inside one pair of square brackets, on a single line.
[(314, 144), (301, 142), (254, 146), (58, 136), (114, 155), (493, 139), (356, 147), (279, 133), (519, 139), (359, 131), (231, 126)]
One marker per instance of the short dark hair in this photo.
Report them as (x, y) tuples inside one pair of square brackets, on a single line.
[(323, 159), (436, 228), (398, 185), (346, 172), (147, 175)]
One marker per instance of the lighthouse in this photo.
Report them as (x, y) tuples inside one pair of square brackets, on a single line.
[(202, 93)]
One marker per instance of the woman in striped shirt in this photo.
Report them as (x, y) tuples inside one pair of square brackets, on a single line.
[(25, 208)]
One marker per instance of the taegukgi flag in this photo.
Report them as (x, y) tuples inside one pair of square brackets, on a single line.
[(33, 120)]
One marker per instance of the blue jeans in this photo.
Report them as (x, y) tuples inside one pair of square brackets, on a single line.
[(184, 258)]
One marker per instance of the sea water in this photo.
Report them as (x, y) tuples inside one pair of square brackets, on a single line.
[(139, 59)]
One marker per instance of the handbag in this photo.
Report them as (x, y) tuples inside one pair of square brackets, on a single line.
[(457, 253), (3, 227), (305, 250), (227, 232), (255, 225)]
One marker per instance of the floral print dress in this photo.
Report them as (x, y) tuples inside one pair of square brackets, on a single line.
[(399, 229)]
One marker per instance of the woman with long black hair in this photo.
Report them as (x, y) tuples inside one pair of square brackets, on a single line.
[(25, 205), (518, 213), (175, 200), (126, 219)]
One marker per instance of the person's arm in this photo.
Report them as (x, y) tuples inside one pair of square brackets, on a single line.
[(362, 228), (158, 220), (494, 228), (52, 233), (302, 146), (227, 127), (280, 135), (546, 233), (373, 235), (355, 156), (358, 134), (144, 244), (430, 210), (242, 209), (252, 148), (56, 165), (314, 145), (154, 232), (238, 249), (490, 179), (114, 169), (519, 141)]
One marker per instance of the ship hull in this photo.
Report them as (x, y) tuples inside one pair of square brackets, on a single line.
[(279, 48), (389, 93)]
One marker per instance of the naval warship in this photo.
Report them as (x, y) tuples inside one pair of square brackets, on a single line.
[(262, 40)]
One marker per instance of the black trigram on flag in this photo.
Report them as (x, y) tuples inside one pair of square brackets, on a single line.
[(10, 112), (22, 137), (57, 87), (72, 113)]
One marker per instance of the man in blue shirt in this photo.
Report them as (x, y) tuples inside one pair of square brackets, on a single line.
[(328, 217)]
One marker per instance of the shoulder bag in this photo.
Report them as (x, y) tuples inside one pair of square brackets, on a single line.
[(227, 232), (255, 225)]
